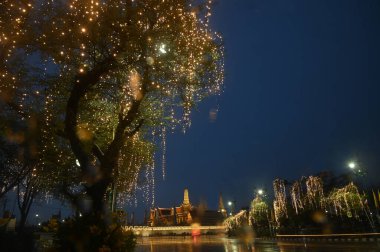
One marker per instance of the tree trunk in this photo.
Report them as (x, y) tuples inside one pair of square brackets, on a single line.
[(97, 192), (23, 218), (25, 201)]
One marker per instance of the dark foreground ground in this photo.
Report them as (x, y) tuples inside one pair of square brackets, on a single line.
[(221, 244)]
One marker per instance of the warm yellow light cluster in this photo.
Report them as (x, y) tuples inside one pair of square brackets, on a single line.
[(160, 52), (13, 14)]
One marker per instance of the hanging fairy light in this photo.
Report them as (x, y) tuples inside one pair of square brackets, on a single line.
[(279, 203), (314, 192), (163, 152), (168, 71), (296, 195), (236, 221), (347, 201), (259, 210)]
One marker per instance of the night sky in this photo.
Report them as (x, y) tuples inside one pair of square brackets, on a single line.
[(301, 96)]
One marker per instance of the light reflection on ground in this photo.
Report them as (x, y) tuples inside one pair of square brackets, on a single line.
[(222, 244)]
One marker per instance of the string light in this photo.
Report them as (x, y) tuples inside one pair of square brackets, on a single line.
[(235, 221), (164, 54), (314, 192), (296, 195), (259, 210), (279, 204), (163, 152), (345, 201)]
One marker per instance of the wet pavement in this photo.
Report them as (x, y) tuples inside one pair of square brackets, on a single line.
[(221, 244)]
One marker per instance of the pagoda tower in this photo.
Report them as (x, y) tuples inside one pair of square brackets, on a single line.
[(186, 201)]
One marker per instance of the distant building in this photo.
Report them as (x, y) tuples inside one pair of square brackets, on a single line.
[(186, 214)]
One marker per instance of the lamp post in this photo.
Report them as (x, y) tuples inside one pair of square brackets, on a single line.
[(357, 173), (260, 192), (38, 219), (231, 205), (356, 168)]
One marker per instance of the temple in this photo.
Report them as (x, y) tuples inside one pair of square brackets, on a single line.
[(187, 214)]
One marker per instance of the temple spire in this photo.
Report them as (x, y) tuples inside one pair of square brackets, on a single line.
[(186, 200)]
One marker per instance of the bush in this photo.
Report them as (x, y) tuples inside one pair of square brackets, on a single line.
[(88, 233)]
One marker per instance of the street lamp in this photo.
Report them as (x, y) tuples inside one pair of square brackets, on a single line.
[(37, 218), (260, 192), (356, 168), (352, 165), (231, 205), (358, 172)]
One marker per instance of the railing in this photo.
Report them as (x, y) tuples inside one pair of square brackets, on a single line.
[(362, 237), (172, 228), (329, 235)]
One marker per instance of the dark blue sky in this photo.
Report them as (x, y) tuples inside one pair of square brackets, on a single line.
[(301, 96)]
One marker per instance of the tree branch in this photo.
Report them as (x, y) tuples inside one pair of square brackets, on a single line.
[(134, 131), (15, 108), (97, 151), (81, 85)]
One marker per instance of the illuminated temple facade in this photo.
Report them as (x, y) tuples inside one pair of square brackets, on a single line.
[(187, 214)]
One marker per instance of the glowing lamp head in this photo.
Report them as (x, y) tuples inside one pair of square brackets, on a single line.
[(229, 203), (351, 165), (260, 192)]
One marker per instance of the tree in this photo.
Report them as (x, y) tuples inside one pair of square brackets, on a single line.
[(27, 191), (114, 75), (21, 157), (11, 170), (259, 216)]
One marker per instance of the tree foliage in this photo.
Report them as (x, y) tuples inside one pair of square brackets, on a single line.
[(106, 79)]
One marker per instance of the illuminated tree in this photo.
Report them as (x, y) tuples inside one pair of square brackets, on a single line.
[(297, 196), (27, 191), (314, 192), (347, 201), (114, 76), (11, 170), (280, 200), (259, 211)]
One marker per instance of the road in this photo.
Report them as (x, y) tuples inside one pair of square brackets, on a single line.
[(222, 244)]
